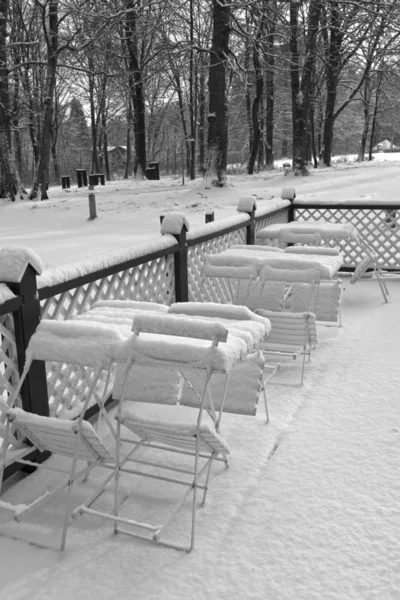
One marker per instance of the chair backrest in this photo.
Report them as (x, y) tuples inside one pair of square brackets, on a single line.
[(321, 250), (300, 238), (244, 387), (59, 436), (293, 329)]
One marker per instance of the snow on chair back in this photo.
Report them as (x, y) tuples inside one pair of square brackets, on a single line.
[(180, 326), (300, 238)]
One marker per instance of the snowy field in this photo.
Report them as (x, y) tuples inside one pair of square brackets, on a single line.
[(309, 507), (128, 213)]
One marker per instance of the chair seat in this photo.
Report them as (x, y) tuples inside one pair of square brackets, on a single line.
[(173, 425)]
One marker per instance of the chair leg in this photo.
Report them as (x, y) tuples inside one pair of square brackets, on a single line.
[(207, 478), (117, 474), (68, 509)]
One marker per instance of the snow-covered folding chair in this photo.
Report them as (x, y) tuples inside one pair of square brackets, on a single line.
[(293, 335), (186, 345), (249, 378), (369, 261), (90, 346)]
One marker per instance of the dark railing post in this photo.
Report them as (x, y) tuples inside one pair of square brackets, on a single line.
[(177, 225), (289, 194), (210, 216), (26, 319), (248, 204)]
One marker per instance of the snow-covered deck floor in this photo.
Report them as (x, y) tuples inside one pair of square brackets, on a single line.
[(309, 509)]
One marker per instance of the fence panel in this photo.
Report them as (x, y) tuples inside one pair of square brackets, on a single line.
[(199, 246), (378, 224), (151, 281)]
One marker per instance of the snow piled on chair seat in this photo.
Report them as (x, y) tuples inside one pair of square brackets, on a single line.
[(76, 342), (174, 425), (291, 271), (256, 248), (239, 320), (130, 304), (163, 350), (179, 325), (323, 228), (319, 250), (58, 435), (242, 272)]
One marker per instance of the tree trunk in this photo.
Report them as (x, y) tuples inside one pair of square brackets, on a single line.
[(301, 89), (375, 113), (137, 90), (366, 103), (255, 107), (269, 60), (128, 140), (41, 176), (8, 187), (202, 117), (332, 67), (217, 117)]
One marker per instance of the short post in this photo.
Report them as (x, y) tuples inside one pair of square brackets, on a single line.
[(102, 179), (93, 180), (161, 219), (81, 177), (65, 182), (248, 204), (289, 193), (209, 216), (177, 225), (92, 207)]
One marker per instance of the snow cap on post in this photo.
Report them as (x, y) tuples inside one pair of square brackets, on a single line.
[(14, 261), (173, 223), (288, 193), (247, 204)]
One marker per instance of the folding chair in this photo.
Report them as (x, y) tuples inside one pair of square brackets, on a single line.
[(181, 344), (367, 262), (84, 344), (249, 378)]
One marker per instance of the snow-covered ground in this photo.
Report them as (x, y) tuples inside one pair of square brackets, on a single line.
[(309, 507), (128, 213)]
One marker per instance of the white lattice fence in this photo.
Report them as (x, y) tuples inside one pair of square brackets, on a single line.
[(9, 375), (379, 227), (270, 219), (210, 291), (152, 281)]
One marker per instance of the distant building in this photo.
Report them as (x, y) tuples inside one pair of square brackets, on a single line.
[(385, 145)]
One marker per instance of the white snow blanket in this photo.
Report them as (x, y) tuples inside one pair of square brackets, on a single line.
[(14, 260), (327, 264), (324, 229), (77, 342), (239, 320)]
